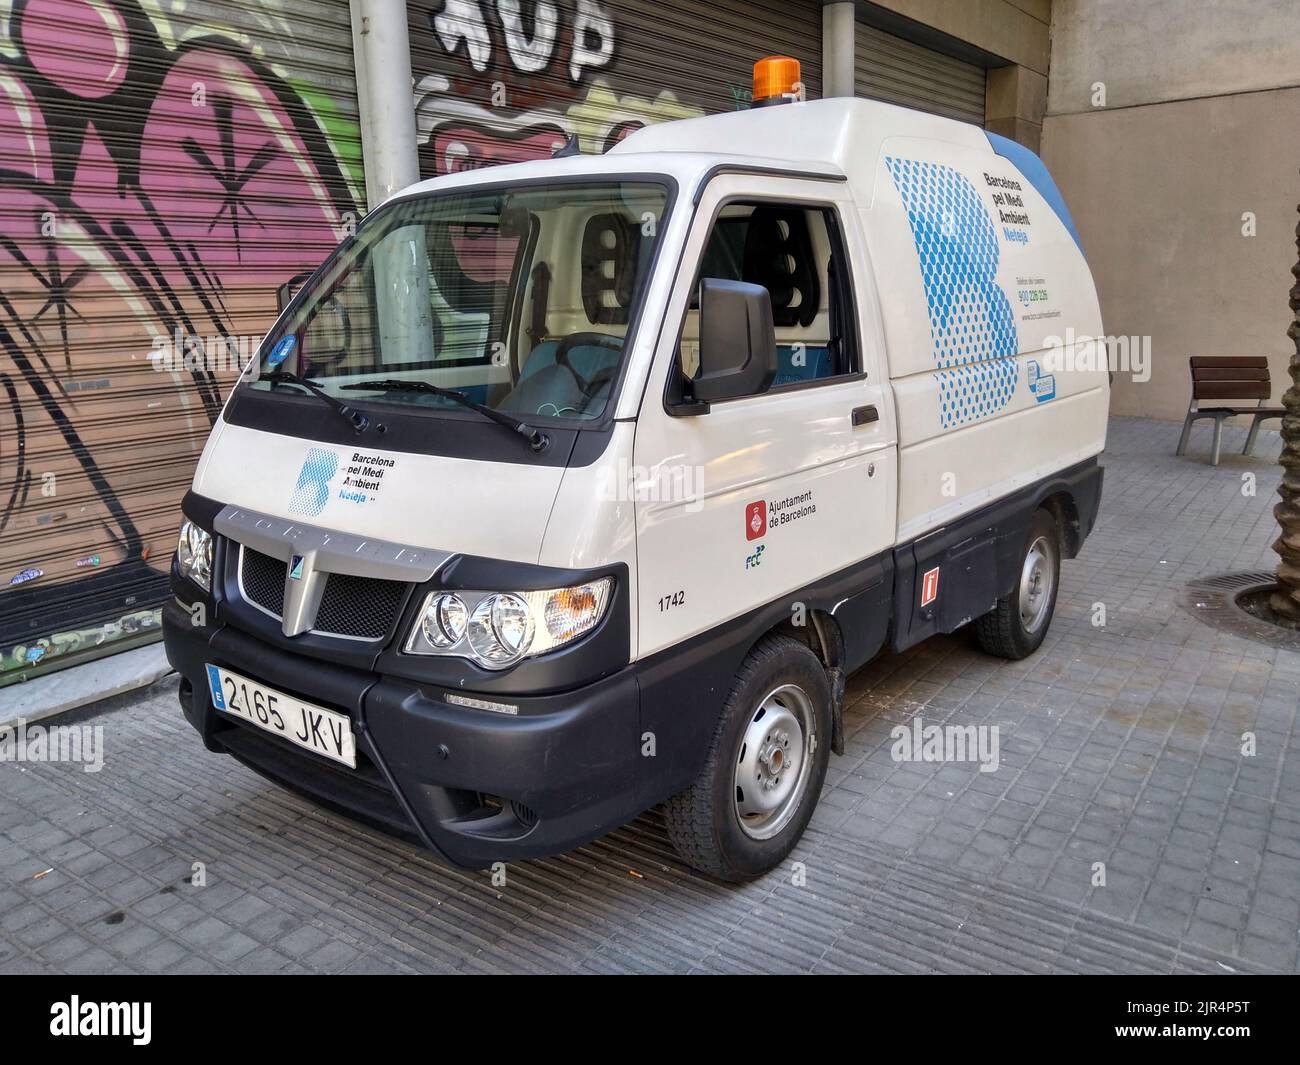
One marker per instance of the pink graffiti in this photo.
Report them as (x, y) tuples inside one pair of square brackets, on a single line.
[(144, 190), (248, 193), (80, 45)]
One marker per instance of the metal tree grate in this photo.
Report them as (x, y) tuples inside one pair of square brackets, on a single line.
[(1215, 600)]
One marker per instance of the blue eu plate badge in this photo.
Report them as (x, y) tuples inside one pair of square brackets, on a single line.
[(214, 682)]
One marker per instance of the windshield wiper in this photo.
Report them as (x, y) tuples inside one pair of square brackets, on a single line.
[(537, 440), (357, 419)]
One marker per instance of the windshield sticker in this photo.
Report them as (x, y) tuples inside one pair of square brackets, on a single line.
[(282, 350)]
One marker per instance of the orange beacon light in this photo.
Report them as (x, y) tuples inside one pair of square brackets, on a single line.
[(776, 81)]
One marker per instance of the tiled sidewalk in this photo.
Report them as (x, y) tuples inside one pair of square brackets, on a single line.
[(1119, 745)]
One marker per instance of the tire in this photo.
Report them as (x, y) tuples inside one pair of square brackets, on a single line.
[(1017, 625), (775, 727)]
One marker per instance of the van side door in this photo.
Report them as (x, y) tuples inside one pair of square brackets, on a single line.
[(765, 494)]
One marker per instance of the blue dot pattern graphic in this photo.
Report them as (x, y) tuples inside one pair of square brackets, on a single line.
[(312, 491), (972, 326)]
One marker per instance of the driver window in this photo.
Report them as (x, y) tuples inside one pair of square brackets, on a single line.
[(794, 252)]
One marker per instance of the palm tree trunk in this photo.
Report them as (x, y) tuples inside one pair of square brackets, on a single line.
[(1285, 599)]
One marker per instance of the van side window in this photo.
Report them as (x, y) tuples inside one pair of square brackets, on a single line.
[(794, 252)]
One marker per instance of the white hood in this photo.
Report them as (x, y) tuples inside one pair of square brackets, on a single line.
[(496, 509)]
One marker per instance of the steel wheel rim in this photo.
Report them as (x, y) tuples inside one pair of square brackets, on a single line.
[(774, 762), (1037, 577)]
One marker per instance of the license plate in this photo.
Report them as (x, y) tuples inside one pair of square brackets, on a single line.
[(324, 731)]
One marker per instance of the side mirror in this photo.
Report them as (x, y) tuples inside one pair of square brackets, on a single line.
[(737, 341)]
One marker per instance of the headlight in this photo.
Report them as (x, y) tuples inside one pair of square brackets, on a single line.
[(444, 620), (498, 629), (194, 555)]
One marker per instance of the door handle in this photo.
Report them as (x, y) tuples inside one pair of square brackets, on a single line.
[(863, 415)]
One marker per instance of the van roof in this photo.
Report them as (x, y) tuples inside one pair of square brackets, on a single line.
[(834, 138), (842, 133)]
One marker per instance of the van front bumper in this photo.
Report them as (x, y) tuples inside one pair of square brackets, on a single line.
[(474, 785)]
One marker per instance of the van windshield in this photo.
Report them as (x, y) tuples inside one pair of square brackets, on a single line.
[(519, 298)]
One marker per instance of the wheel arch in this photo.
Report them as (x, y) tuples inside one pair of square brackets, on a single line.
[(1062, 506), (821, 633)]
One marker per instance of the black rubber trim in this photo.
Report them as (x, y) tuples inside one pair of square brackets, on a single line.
[(978, 555), (755, 168)]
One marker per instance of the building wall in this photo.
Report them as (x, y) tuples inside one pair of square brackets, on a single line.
[(1197, 134), (1014, 30), (163, 167)]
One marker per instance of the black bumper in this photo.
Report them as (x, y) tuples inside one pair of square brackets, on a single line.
[(475, 786)]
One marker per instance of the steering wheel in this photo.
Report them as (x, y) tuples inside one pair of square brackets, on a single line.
[(340, 329), (587, 385)]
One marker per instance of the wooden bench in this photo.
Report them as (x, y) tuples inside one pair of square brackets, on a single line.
[(1227, 377)]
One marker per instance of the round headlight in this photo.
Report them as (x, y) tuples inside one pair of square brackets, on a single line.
[(445, 621), (512, 622), (500, 630), (194, 554)]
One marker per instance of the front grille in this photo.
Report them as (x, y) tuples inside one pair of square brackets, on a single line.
[(263, 580), (361, 607)]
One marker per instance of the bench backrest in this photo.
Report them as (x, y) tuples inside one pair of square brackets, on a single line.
[(1230, 377)]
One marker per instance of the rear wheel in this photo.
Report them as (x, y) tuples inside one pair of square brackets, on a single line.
[(1017, 625), (764, 771)]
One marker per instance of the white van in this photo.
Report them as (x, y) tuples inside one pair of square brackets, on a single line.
[(573, 487)]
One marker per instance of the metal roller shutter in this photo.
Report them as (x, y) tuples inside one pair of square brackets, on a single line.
[(509, 80), (899, 72), (163, 167)]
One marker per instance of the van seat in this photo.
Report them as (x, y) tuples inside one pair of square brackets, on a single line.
[(587, 359)]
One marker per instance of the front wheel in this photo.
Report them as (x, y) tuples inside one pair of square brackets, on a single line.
[(765, 767), (1017, 625)]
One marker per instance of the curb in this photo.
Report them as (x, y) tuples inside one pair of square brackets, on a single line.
[(69, 689)]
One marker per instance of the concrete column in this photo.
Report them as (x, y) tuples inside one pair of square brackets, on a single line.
[(381, 49), (838, 26), (1015, 100)]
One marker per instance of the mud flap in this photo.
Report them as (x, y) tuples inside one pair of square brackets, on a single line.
[(836, 676)]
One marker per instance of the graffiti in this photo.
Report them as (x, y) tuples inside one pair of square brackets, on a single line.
[(26, 575), (157, 179), (507, 81), (464, 21)]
